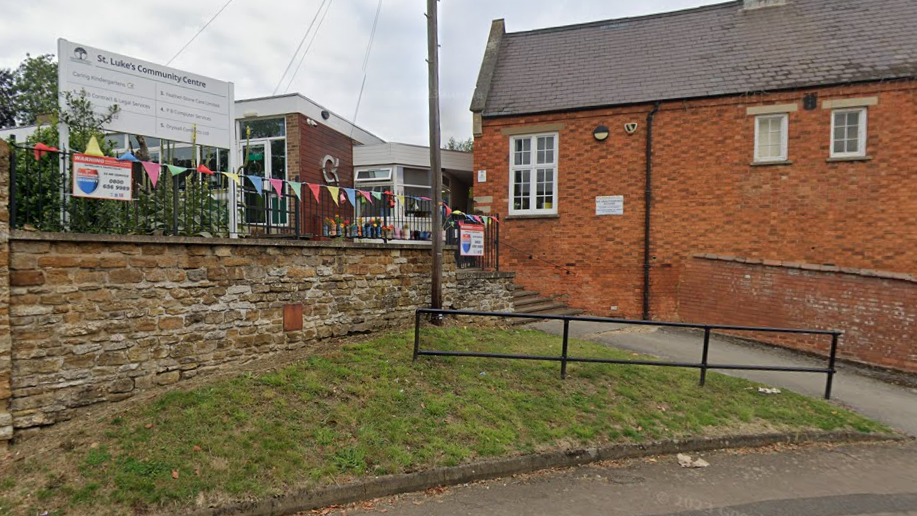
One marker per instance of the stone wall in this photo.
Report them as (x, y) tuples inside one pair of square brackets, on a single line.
[(6, 420), (98, 319), (485, 291), (877, 311)]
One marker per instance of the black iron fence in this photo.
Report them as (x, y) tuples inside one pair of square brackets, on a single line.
[(565, 357), (182, 201)]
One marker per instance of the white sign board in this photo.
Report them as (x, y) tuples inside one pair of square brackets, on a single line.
[(153, 100), (609, 205), (471, 240), (482, 176), (101, 178)]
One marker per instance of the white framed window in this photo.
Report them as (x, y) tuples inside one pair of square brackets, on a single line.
[(771, 137), (374, 175), (848, 133), (533, 174)]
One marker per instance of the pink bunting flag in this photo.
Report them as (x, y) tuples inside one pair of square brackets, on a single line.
[(366, 194), (425, 198), (204, 170), (152, 170), (448, 209), (316, 191), (277, 185)]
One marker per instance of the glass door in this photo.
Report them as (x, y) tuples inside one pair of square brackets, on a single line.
[(265, 159), (254, 156)]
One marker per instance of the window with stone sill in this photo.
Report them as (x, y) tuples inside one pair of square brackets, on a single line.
[(533, 174), (771, 138), (848, 133)]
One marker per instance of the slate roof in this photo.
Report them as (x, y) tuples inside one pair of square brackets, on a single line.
[(716, 50)]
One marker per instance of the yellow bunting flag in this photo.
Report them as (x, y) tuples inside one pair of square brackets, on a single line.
[(93, 148), (335, 194), (400, 199), (234, 177)]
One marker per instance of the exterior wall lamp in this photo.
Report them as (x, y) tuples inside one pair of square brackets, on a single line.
[(601, 133)]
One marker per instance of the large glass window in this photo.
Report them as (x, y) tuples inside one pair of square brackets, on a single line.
[(263, 128), (533, 174)]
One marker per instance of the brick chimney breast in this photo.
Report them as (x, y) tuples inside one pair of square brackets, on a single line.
[(758, 4)]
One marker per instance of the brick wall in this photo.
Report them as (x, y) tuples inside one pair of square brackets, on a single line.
[(877, 311), (98, 319), (707, 196), (307, 146), (6, 420)]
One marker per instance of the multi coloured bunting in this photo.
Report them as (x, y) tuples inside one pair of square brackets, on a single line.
[(400, 199), (257, 182), (127, 156), (176, 170), (41, 149), (335, 194), (366, 196), (297, 188), (277, 185), (351, 195), (377, 195), (204, 170), (152, 170), (93, 148), (234, 177), (316, 191)]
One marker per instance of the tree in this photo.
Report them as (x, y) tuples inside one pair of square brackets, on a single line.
[(7, 93), (83, 121), (35, 88), (459, 145)]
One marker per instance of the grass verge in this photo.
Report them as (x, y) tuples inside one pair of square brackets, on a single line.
[(364, 409)]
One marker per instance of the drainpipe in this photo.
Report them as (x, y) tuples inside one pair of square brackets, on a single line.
[(648, 202)]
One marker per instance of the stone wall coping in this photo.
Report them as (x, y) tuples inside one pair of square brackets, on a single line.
[(867, 273), (479, 274), (154, 239)]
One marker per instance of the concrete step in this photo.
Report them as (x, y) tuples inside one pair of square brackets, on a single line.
[(519, 294), (565, 311), (529, 300), (540, 308)]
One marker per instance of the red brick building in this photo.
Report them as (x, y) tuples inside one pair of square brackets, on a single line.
[(774, 135)]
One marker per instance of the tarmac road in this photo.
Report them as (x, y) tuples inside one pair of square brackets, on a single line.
[(873, 479)]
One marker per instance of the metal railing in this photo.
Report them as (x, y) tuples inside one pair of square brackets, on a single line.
[(197, 204), (564, 358), (491, 258)]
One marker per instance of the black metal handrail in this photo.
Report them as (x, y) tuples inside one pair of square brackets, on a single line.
[(564, 358)]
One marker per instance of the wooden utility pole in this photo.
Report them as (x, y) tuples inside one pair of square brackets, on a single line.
[(436, 293)]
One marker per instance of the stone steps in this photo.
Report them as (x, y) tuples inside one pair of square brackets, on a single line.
[(531, 302)]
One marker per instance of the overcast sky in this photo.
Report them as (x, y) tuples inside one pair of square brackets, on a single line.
[(252, 42)]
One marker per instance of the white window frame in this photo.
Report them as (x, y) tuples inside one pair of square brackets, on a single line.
[(532, 167), (784, 138), (389, 179), (861, 133)]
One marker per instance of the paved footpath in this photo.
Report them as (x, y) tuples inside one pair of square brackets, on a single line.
[(893, 405), (874, 479)]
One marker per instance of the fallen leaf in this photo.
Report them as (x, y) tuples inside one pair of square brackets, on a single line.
[(175, 474), (148, 425), (197, 448)]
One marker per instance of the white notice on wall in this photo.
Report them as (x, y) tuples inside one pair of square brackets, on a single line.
[(152, 100), (482, 176), (609, 205)]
